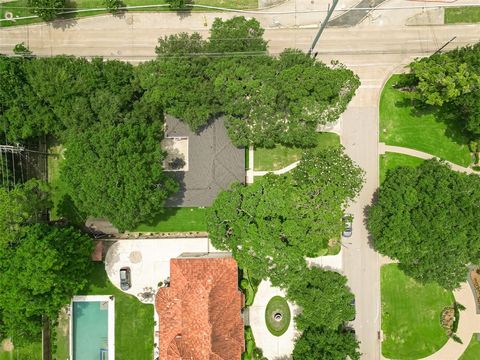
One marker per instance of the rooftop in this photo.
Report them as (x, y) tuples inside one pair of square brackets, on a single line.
[(214, 163), (200, 313)]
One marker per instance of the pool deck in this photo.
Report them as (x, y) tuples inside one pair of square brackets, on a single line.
[(111, 320)]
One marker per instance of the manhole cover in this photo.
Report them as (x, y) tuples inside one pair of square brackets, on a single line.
[(135, 257)]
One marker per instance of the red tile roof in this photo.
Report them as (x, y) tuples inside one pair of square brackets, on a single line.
[(200, 313)]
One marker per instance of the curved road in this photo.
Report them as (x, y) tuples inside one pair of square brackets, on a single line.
[(372, 52)]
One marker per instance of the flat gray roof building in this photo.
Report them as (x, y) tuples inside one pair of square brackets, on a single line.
[(214, 163)]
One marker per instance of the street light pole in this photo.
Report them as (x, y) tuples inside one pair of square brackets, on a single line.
[(323, 25)]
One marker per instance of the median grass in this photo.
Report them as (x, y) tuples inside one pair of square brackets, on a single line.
[(20, 8), (411, 315), (472, 352), (177, 220), (462, 14), (401, 124), (281, 156), (133, 320), (389, 161)]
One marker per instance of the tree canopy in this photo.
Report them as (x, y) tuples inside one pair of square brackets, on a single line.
[(326, 344), (271, 225), (323, 297), (450, 81), (111, 133), (115, 171), (41, 271), (266, 100), (426, 217), (46, 9), (21, 205)]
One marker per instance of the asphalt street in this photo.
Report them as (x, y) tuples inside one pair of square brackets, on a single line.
[(372, 52)]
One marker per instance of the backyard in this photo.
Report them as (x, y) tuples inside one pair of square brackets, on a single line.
[(19, 8), (177, 220), (403, 125), (281, 156), (411, 315), (462, 14), (389, 161), (133, 320), (31, 351)]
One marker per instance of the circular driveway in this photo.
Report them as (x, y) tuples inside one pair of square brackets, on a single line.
[(274, 347)]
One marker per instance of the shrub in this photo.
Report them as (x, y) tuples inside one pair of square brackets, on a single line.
[(473, 146), (113, 5), (476, 168), (456, 319), (456, 339), (460, 306)]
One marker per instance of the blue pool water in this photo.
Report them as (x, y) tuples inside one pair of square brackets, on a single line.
[(90, 329)]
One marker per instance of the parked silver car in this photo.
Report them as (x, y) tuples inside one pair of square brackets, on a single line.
[(125, 279), (347, 222)]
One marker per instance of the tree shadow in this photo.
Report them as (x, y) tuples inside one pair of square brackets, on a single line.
[(66, 21), (445, 115)]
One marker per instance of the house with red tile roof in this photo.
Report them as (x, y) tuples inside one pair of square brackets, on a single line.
[(200, 312)]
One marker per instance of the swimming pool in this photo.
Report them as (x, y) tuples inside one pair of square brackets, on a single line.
[(92, 328)]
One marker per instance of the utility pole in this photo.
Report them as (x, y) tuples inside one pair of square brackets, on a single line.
[(323, 25)]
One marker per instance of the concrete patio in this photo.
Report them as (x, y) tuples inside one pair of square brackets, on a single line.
[(149, 261)]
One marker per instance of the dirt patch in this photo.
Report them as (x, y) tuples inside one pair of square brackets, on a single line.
[(7, 345)]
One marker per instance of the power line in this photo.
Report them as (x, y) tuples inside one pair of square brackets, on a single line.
[(257, 12)]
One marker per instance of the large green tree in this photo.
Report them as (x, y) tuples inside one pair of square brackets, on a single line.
[(323, 297), (115, 170), (111, 131), (325, 344), (266, 100), (41, 271), (271, 225), (450, 81), (236, 35), (22, 205), (426, 217), (46, 9)]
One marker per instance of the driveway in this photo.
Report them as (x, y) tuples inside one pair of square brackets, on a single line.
[(149, 261), (274, 347)]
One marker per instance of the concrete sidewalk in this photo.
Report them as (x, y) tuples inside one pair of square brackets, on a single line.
[(382, 149)]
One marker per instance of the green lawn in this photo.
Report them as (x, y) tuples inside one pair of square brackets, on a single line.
[(411, 315), (177, 220), (462, 14), (277, 304), (63, 206), (473, 350), (134, 322), (280, 156), (389, 161), (402, 125), (32, 351), (19, 8)]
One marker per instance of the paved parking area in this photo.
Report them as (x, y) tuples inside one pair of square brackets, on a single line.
[(149, 260)]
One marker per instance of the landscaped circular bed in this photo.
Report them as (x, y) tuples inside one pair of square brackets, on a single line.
[(277, 315)]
